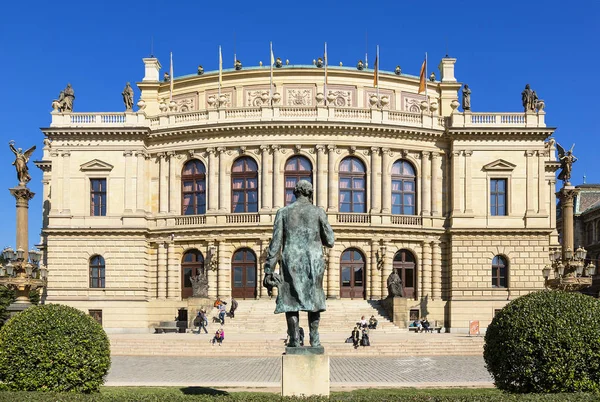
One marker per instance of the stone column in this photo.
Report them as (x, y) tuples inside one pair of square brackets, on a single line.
[(321, 177), (174, 189), (223, 287), (425, 183), (386, 179), (530, 182), (22, 195), (426, 269), (67, 182), (374, 277), (224, 184), (332, 182), (456, 184), (55, 184), (161, 271), (550, 188), (435, 192), (375, 180), (468, 187), (213, 181), (388, 265), (140, 179), (567, 194), (172, 273), (212, 275), (147, 203), (542, 183), (437, 270), (333, 270), (262, 246), (266, 196), (163, 184), (278, 197), (128, 184)]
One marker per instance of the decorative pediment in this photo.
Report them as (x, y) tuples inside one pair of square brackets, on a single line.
[(500, 165), (96, 165)]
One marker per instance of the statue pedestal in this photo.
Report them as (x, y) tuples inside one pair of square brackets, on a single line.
[(304, 374)]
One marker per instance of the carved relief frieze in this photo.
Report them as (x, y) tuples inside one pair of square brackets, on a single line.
[(341, 96), (411, 102), (299, 96), (253, 96), (186, 102), (227, 98), (386, 95)]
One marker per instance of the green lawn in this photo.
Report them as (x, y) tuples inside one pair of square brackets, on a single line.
[(166, 394)]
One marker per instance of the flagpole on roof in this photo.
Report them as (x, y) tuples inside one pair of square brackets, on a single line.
[(172, 78), (377, 72), (220, 70), (271, 82), (325, 79)]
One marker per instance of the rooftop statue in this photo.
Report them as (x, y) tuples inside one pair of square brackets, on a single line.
[(238, 65), (20, 163), (64, 103), (529, 99), (432, 77), (299, 232), (128, 97), (360, 65), (398, 70), (466, 97), (567, 159), (278, 62), (200, 70), (166, 77)]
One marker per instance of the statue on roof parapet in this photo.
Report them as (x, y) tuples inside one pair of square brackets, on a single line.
[(166, 77), (128, 97), (64, 103), (529, 99), (200, 70), (466, 98)]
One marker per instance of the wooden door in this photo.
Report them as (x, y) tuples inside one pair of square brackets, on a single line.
[(243, 274), (352, 275)]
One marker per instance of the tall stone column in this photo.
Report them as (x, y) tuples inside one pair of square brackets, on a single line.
[(321, 177), (530, 182), (262, 246), (542, 183), (278, 196), (386, 182), (224, 184), (332, 182), (66, 183), (437, 270), (425, 183), (212, 269), (140, 179), (567, 194), (374, 277), (174, 189), (333, 277), (161, 273), (388, 264), (266, 196), (147, 200), (224, 270), (22, 195), (375, 180), (163, 184), (457, 189), (468, 183), (550, 188), (426, 269), (128, 184), (435, 192), (56, 183), (213, 180), (172, 272)]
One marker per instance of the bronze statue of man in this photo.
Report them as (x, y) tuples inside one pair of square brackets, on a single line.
[(299, 232)]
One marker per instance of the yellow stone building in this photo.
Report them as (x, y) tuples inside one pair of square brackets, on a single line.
[(460, 204)]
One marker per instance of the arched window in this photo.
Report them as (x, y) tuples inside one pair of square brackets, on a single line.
[(499, 272), (352, 185), (244, 185), (296, 168), (193, 188), (243, 275), (403, 188), (192, 264), (406, 267), (352, 274), (97, 272)]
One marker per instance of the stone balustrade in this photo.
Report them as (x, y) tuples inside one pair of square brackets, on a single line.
[(468, 119)]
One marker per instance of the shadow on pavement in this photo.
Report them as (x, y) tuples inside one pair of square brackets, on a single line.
[(203, 391)]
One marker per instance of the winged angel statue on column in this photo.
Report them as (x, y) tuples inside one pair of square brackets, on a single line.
[(566, 163), (20, 163)]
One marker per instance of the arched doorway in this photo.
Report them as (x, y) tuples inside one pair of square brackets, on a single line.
[(192, 264), (406, 267), (352, 274), (243, 274)]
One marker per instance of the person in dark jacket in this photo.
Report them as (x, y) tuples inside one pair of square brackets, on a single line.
[(356, 336), (234, 306)]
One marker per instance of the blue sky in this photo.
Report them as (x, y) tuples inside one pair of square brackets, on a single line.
[(98, 46)]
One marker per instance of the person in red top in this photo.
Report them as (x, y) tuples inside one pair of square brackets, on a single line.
[(219, 336)]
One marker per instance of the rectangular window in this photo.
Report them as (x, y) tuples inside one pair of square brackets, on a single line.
[(98, 197), (498, 197), (96, 315)]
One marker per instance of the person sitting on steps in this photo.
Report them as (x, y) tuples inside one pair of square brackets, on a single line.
[(219, 336), (356, 335), (372, 322)]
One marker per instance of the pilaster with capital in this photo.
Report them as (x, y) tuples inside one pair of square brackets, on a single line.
[(128, 190), (266, 196), (213, 180), (375, 180), (224, 186), (173, 272), (542, 183), (436, 162), (223, 272), (278, 200), (66, 156), (332, 182), (425, 184), (550, 188), (386, 184), (333, 289), (161, 271), (212, 274), (468, 183), (321, 177), (457, 188), (374, 277), (426, 270), (56, 183), (140, 181), (437, 270), (529, 161), (388, 262), (173, 187), (163, 190)]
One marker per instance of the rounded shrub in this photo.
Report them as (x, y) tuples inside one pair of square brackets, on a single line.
[(53, 348), (545, 342)]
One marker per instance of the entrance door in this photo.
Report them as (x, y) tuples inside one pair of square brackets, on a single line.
[(243, 274), (192, 265), (406, 268), (352, 274)]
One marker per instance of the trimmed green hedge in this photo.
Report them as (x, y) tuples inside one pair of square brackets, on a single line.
[(546, 342), (53, 348)]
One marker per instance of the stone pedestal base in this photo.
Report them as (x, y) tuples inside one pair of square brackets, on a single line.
[(305, 375)]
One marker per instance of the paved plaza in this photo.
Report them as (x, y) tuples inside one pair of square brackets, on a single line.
[(265, 372)]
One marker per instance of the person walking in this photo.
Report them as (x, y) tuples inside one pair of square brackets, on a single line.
[(203, 321), (222, 311), (234, 306)]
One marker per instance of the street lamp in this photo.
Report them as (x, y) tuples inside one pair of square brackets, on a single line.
[(570, 271)]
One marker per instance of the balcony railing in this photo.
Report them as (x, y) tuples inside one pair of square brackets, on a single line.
[(242, 218), (353, 218), (190, 220), (406, 220), (467, 119)]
